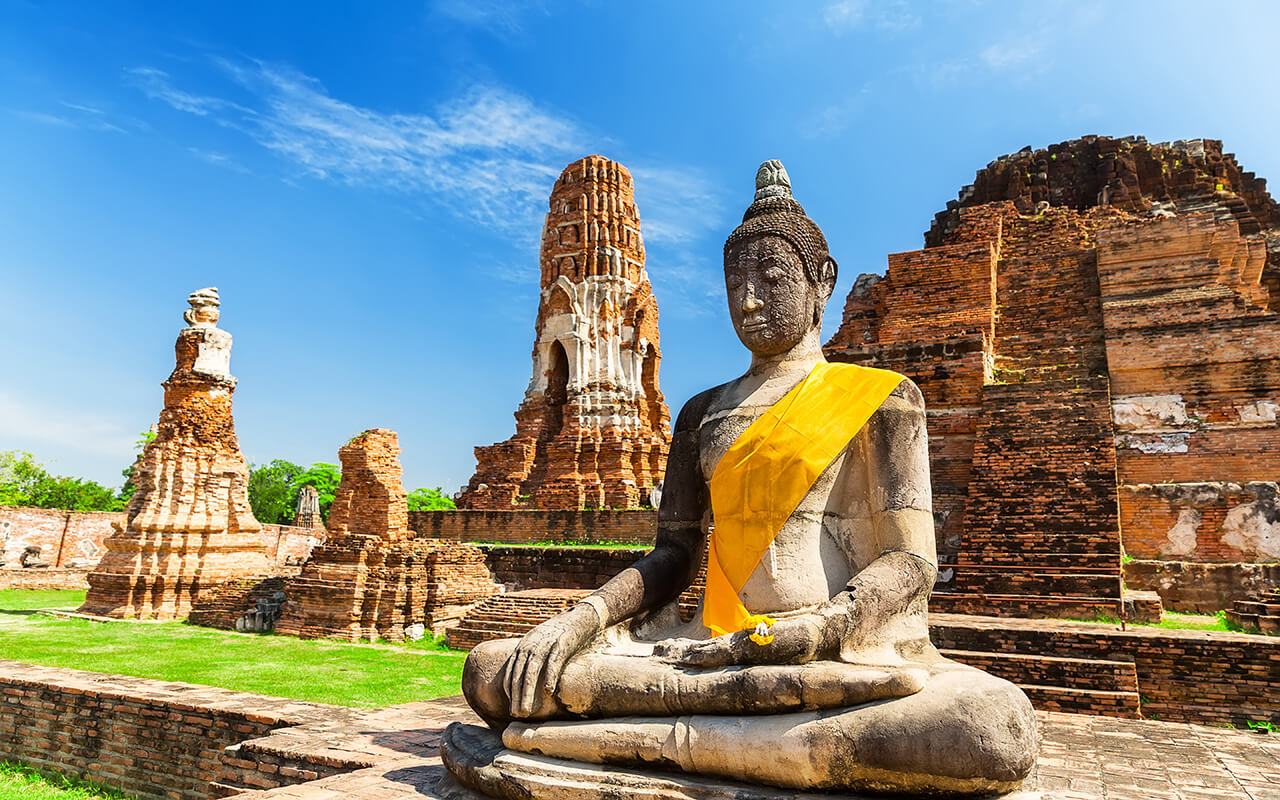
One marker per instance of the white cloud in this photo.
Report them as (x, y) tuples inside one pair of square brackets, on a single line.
[(677, 204), (844, 14), (1011, 55), (497, 16), (93, 120), (885, 15), (23, 421), (688, 287), (489, 154), (156, 85), (217, 159)]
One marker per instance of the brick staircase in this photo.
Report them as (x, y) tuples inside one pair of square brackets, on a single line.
[(1261, 615), (1055, 672), (1054, 683), (1041, 537), (513, 614)]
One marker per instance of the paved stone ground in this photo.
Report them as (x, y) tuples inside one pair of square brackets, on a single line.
[(1081, 757)]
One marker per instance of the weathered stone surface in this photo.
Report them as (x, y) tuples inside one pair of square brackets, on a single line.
[(593, 430), (188, 525), (838, 688), (1093, 313), (373, 578), (479, 755)]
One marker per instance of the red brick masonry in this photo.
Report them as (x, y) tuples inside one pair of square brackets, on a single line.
[(85, 723)]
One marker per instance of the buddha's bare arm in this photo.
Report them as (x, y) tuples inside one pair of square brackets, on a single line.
[(653, 581), (898, 458)]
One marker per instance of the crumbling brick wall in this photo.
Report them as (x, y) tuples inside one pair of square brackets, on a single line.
[(1090, 325), (532, 526), (373, 578)]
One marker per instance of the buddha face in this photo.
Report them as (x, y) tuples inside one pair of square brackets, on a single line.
[(771, 302)]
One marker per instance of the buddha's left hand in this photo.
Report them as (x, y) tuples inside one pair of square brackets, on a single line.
[(795, 641)]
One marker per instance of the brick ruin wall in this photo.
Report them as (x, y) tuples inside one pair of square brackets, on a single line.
[(155, 740), (374, 577), (523, 568), (74, 540), (537, 526), (1200, 588), (1183, 676), (1090, 325)]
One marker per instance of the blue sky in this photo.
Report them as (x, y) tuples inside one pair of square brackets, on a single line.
[(365, 182)]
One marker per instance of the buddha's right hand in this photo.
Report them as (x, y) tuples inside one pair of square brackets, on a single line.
[(537, 661)]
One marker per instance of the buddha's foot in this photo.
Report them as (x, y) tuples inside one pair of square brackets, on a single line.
[(481, 767), (966, 733)]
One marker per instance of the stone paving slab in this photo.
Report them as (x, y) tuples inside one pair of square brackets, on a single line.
[(1081, 757)]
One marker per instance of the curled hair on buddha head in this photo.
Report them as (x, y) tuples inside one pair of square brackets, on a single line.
[(776, 213)]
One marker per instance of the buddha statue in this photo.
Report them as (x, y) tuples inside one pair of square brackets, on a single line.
[(807, 665)]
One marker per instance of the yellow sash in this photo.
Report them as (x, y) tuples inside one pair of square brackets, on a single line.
[(770, 468)]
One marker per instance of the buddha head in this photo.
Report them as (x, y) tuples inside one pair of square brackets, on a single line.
[(204, 308), (778, 274)]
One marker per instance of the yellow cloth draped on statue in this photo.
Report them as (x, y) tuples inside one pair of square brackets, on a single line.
[(770, 468)]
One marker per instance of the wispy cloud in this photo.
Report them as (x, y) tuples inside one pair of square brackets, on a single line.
[(487, 154), (217, 159), (1011, 55), (688, 287), (677, 204), (72, 116), (24, 421), (501, 17), (843, 16), (155, 84)]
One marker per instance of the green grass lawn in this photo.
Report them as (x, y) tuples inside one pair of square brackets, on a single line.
[(22, 783), (23, 600), (318, 670)]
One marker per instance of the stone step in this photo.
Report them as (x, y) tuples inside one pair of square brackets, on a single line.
[(1125, 705), (510, 615), (1014, 605), (1040, 670), (1035, 581)]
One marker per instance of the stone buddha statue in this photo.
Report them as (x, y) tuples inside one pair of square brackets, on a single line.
[(807, 665)]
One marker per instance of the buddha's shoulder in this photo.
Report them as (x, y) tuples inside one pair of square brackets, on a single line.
[(695, 410), (904, 396)]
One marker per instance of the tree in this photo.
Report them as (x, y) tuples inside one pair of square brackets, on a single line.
[(145, 438), (428, 500), (25, 482), (325, 477), (272, 492)]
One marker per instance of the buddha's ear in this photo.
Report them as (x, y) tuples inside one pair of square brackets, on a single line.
[(827, 277), (826, 285)]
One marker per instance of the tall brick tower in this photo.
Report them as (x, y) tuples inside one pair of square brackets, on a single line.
[(593, 430)]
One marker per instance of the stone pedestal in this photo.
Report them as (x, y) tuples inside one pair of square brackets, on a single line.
[(480, 767)]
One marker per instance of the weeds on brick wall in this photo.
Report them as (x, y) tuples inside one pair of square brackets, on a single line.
[(1175, 621), (1262, 726), (20, 782)]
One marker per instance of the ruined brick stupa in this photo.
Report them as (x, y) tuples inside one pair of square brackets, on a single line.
[(1092, 326), (373, 578), (593, 430), (188, 525)]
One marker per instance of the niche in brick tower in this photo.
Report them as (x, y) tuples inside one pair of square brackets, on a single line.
[(593, 430)]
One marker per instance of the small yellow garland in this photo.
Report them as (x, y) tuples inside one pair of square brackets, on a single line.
[(755, 623)]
